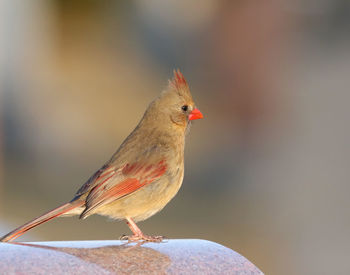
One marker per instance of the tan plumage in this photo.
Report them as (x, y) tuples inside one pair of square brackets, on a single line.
[(144, 174)]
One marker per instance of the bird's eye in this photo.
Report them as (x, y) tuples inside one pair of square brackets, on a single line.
[(184, 108)]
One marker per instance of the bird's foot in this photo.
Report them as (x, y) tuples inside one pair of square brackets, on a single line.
[(142, 238)]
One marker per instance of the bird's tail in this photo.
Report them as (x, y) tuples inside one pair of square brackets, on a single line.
[(63, 209)]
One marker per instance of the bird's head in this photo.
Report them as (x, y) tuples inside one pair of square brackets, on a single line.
[(175, 106)]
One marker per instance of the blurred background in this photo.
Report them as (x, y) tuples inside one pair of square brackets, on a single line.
[(267, 170)]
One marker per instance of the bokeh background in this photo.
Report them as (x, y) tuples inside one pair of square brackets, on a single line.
[(267, 170)]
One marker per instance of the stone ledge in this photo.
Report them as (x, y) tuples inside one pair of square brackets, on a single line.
[(184, 256)]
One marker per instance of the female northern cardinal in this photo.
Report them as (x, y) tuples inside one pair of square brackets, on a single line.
[(144, 174)]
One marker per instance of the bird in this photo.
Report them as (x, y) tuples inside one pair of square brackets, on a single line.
[(144, 174)]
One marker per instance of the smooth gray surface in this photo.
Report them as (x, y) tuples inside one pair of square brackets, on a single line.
[(117, 257)]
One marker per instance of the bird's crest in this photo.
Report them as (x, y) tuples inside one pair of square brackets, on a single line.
[(178, 81), (179, 84)]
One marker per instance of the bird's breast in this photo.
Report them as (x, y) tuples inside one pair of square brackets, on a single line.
[(148, 200)]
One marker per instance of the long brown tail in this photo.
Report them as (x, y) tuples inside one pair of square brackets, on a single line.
[(41, 219)]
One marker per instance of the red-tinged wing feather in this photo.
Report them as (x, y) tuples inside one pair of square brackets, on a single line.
[(122, 182), (97, 179)]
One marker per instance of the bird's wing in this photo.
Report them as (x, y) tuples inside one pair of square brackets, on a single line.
[(111, 183), (99, 177)]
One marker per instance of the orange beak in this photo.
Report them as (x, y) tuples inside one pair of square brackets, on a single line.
[(195, 114)]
